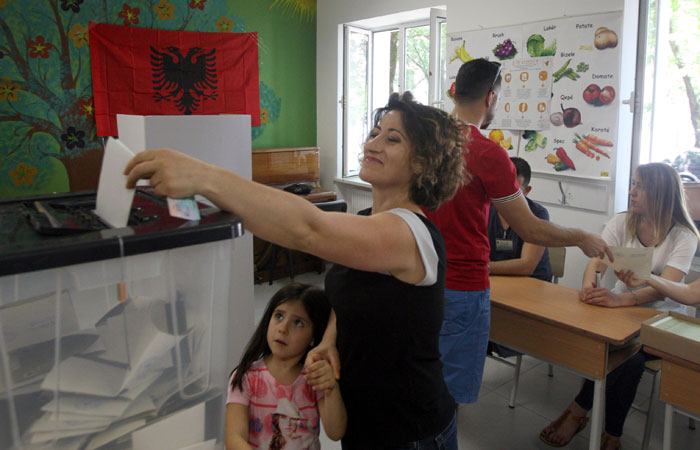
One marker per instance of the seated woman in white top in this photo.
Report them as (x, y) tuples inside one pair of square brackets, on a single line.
[(657, 217)]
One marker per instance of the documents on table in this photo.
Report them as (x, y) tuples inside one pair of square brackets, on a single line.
[(638, 260)]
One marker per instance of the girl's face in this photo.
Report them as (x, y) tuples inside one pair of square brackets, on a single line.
[(290, 331), (387, 153), (638, 196)]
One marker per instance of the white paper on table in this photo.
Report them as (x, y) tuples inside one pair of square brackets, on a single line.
[(113, 198), (88, 405), (84, 376), (638, 260), (114, 432)]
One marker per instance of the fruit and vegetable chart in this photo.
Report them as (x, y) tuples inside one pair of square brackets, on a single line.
[(578, 139)]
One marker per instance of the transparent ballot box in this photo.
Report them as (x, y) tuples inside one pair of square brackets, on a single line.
[(112, 338)]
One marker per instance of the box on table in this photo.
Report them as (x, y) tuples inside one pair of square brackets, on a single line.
[(683, 342)]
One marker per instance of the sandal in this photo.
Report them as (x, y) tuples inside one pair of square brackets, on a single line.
[(580, 421), (608, 442)]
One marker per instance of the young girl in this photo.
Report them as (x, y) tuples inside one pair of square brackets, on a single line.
[(270, 405)]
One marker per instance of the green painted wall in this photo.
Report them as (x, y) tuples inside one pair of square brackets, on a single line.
[(47, 133)]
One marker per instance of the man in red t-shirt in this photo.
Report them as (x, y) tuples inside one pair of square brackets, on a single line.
[(463, 223)]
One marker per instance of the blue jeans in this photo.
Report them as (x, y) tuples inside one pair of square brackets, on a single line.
[(463, 340), (444, 440)]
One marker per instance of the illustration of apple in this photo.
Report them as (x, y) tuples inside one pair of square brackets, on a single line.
[(607, 95), (591, 93)]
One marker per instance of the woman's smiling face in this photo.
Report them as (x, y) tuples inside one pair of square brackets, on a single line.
[(387, 153)]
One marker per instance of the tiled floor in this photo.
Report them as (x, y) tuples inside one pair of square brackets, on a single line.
[(490, 424)]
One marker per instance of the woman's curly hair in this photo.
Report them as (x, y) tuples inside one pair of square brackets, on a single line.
[(437, 145)]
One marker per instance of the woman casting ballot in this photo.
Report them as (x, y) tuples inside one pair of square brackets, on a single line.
[(387, 286)]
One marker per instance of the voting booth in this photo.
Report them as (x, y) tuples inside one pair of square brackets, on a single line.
[(113, 337)]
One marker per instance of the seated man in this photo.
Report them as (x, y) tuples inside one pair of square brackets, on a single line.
[(510, 255)]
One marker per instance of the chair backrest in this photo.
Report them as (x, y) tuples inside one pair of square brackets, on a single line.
[(335, 205), (557, 258)]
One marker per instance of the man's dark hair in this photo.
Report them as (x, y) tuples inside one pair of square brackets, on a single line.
[(522, 169), (475, 79)]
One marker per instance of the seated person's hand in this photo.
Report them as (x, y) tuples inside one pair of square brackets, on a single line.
[(600, 297), (319, 373), (584, 291), (627, 277)]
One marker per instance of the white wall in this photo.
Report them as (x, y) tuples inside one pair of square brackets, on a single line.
[(469, 15)]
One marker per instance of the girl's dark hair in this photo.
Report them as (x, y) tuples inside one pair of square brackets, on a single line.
[(436, 141), (317, 307)]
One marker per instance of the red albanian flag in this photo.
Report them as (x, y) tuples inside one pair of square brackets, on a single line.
[(160, 72)]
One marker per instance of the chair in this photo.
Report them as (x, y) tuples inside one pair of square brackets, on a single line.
[(557, 258)]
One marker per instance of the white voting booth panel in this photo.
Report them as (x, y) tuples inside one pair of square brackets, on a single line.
[(225, 141)]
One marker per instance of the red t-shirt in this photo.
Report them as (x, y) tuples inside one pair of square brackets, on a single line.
[(463, 221)]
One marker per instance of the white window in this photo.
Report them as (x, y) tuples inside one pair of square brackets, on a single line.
[(382, 59), (668, 78)]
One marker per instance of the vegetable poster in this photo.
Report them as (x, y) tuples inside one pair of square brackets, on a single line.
[(578, 139)]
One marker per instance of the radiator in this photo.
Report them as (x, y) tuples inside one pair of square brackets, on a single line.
[(357, 198)]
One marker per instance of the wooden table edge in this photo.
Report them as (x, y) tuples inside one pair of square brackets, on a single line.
[(556, 323), (672, 358)]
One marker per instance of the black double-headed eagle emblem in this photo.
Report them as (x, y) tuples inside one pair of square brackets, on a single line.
[(186, 79)]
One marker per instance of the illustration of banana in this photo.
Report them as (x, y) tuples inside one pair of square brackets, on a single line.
[(461, 53)]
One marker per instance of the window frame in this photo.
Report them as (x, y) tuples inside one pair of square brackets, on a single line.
[(437, 17)]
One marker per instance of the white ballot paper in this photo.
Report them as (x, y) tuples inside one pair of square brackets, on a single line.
[(113, 198), (638, 260)]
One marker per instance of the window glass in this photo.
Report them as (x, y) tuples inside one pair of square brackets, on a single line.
[(671, 110), (417, 57), (356, 98), (385, 67)]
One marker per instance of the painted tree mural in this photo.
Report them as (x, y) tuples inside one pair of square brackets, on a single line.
[(47, 129)]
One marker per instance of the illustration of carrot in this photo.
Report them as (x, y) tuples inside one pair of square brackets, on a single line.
[(596, 140), (582, 147), (591, 146)]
